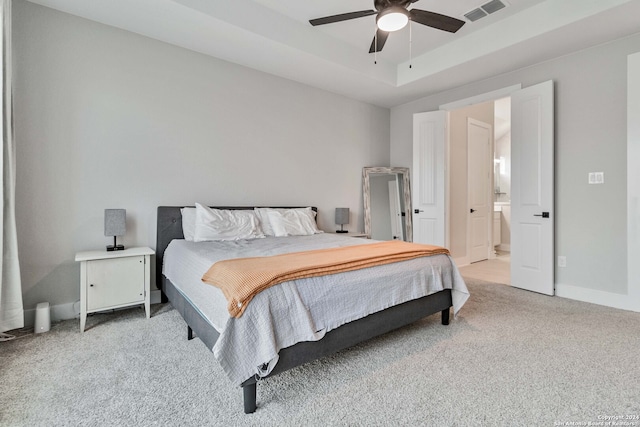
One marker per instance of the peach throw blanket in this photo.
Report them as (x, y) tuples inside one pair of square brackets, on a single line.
[(241, 279)]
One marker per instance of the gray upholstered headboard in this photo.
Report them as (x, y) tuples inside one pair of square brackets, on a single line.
[(169, 227)]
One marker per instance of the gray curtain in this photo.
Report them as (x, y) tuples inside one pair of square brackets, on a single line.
[(11, 309)]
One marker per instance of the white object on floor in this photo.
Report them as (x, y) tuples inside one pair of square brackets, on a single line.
[(43, 318)]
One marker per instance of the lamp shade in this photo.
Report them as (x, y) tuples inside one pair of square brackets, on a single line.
[(342, 216), (115, 222)]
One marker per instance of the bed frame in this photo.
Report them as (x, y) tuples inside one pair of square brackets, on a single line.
[(169, 227)]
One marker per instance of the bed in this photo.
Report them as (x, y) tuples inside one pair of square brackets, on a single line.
[(202, 320)]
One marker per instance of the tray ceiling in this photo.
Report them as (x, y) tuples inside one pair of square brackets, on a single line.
[(275, 36)]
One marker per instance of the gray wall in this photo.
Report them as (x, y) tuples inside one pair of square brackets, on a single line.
[(110, 119), (590, 105)]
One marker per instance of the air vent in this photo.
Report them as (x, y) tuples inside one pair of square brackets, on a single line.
[(485, 9), (493, 6), (475, 14)]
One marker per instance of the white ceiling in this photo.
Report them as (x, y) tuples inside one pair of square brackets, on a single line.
[(275, 36), (359, 32)]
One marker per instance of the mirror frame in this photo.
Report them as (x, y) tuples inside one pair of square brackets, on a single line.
[(366, 194)]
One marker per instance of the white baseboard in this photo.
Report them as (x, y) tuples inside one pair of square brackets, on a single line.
[(155, 296), (505, 247), (462, 261), (593, 296), (70, 310)]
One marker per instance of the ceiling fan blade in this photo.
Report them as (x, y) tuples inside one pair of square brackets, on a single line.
[(382, 39), (435, 20), (342, 17)]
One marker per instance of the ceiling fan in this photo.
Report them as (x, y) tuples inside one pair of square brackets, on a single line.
[(393, 15)]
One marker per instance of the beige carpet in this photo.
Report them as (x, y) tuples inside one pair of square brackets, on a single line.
[(510, 358)]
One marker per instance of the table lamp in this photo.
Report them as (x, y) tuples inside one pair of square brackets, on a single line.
[(342, 218), (115, 224)]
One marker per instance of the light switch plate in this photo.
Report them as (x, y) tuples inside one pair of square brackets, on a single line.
[(596, 177)]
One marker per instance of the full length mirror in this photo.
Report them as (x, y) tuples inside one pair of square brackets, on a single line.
[(387, 203)]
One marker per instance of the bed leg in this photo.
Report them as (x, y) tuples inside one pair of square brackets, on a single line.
[(190, 335), (445, 317), (249, 393)]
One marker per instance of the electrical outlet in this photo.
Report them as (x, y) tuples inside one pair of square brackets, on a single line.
[(562, 261)]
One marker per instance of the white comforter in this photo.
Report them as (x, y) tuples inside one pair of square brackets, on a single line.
[(299, 310)]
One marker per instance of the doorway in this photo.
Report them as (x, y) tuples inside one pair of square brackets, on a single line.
[(488, 167), (500, 266), (532, 180), (480, 180)]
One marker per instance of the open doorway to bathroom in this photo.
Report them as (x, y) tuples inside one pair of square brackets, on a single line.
[(481, 181)]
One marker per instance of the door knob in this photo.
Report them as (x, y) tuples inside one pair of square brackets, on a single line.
[(472, 210), (543, 214), (417, 210)]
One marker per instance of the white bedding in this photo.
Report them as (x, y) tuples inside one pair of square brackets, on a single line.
[(299, 310)]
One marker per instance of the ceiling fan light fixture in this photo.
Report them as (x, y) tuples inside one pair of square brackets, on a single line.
[(392, 19)]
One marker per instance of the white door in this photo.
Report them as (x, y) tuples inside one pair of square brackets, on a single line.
[(532, 215), (479, 159), (394, 207), (428, 192)]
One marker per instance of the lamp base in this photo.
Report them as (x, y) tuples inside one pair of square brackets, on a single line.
[(115, 248), (342, 231)]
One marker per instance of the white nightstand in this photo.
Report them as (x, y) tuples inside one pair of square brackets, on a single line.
[(114, 279), (360, 235), (352, 234)]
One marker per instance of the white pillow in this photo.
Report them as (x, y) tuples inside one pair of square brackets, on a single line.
[(265, 222), (188, 223), (216, 224), (263, 216), (293, 222)]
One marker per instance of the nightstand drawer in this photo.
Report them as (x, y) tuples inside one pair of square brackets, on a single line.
[(115, 282)]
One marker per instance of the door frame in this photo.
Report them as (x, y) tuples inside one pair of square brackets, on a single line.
[(632, 300)]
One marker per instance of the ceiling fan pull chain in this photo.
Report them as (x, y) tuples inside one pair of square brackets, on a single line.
[(410, 44), (375, 51)]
